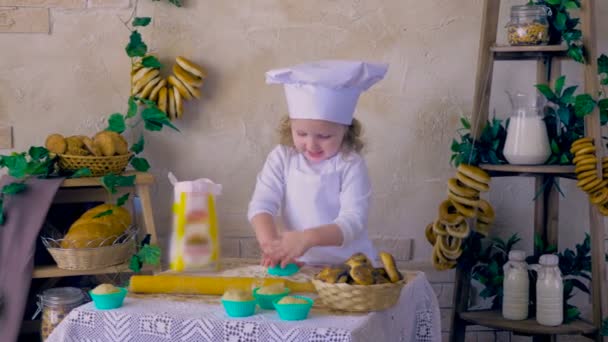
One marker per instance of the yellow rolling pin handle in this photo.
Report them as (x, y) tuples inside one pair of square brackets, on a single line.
[(179, 210), (213, 228), (182, 284)]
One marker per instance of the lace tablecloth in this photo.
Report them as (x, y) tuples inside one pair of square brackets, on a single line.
[(150, 319)]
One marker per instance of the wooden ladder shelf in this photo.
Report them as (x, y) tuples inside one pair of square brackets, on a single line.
[(546, 206)]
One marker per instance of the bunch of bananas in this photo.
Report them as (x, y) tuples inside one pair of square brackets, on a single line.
[(358, 270), (170, 93), (447, 232), (586, 173), (104, 143)]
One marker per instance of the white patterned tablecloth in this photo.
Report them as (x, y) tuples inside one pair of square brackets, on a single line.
[(415, 318)]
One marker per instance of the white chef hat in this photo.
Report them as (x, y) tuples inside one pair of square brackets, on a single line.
[(326, 90)]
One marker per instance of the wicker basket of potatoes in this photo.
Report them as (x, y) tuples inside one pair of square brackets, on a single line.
[(106, 152), (358, 286)]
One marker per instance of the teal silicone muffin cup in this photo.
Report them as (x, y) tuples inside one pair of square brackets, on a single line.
[(288, 270), (237, 309), (265, 301), (293, 312), (109, 300)]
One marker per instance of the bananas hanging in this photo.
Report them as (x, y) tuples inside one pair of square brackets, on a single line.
[(169, 93), (447, 233)]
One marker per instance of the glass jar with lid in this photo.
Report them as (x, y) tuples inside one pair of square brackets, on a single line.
[(55, 304), (529, 25)]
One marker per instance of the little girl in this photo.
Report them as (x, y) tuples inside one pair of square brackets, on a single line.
[(316, 176)]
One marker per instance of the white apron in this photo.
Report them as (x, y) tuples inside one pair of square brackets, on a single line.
[(312, 200)]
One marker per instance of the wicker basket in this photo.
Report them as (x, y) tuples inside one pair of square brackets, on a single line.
[(99, 166), (94, 257), (359, 298)]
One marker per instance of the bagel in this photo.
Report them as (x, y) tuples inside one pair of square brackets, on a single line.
[(56, 143), (104, 141), (460, 230), (597, 197), (586, 167), (582, 141), (474, 172), (171, 103), (603, 209), (577, 148), (439, 228), (179, 106), (439, 260), (139, 74), (584, 151), (430, 235), (175, 82), (162, 99), (191, 67), (587, 161), (149, 76), (448, 215), (585, 181), (602, 184), (472, 202), (154, 94), (482, 228), (465, 210), (89, 144), (591, 186), (145, 93), (459, 189), (191, 89), (586, 174), (581, 157), (449, 247), (471, 183), (485, 212), (186, 77), (389, 265)]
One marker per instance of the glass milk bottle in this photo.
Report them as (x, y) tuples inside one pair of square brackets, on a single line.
[(527, 141), (515, 287), (549, 291)]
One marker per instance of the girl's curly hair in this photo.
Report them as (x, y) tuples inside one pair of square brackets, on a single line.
[(352, 139)]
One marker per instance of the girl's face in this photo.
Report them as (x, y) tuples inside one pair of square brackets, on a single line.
[(318, 140)]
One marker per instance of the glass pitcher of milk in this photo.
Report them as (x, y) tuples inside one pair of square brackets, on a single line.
[(527, 141), (516, 286)]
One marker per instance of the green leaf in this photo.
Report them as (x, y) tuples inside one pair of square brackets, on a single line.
[(103, 213), (539, 245), (138, 146), (554, 146), (132, 108), (135, 264), (583, 105), (2, 215), (140, 164), (151, 62), (567, 95), (122, 199), (177, 3), (564, 160), (571, 5), (553, 2), (38, 152), (136, 47), (111, 181), (602, 64), (117, 123), (141, 21), (576, 52), (13, 188), (155, 119), (84, 172), (559, 85), (564, 116), (465, 123), (149, 254), (547, 92), (560, 21)]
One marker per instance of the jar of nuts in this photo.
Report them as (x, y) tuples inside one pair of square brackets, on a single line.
[(56, 303), (529, 25)]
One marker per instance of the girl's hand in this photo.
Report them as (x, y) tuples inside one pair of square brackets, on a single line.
[(289, 247)]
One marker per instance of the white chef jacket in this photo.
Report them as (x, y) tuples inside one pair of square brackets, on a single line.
[(308, 195)]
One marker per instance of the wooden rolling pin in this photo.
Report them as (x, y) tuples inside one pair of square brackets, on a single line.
[(185, 284)]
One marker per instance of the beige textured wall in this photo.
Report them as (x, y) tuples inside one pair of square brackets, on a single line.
[(71, 71)]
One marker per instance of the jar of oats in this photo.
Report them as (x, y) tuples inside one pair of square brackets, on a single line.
[(55, 304), (528, 25)]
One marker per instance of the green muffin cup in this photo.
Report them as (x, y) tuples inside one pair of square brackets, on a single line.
[(237, 309), (283, 272), (293, 312), (265, 301), (109, 300)]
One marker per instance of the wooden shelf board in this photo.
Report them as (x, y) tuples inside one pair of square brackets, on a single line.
[(52, 271), (506, 170), (141, 178), (494, 319), (507, 52)]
